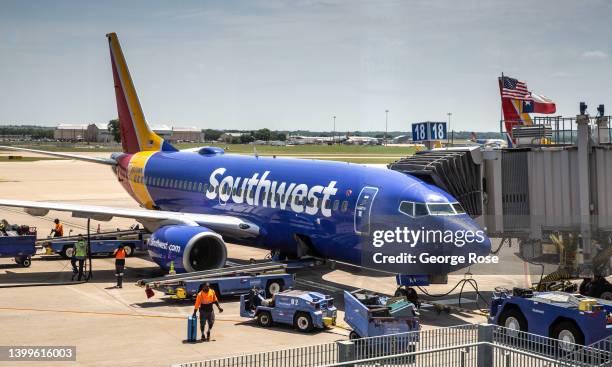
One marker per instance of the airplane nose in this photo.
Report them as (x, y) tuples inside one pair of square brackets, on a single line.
[(468, 238)]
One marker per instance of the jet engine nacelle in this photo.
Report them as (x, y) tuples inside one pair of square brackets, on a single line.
[(191, 248)]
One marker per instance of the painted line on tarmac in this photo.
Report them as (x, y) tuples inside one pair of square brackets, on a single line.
[(106, 313)]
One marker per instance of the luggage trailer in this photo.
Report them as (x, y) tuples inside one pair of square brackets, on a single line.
[(21, 247), (235, 279), (101, 243)]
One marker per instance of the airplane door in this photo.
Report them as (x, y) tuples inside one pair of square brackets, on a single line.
[(363, 209)]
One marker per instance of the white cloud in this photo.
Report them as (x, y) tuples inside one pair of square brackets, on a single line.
[(595, 55)]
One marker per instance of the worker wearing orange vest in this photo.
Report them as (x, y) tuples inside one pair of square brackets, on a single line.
[(204, 302), (119, 264), (58, 230)]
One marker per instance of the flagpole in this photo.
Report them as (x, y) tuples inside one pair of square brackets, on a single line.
[(501, 105)]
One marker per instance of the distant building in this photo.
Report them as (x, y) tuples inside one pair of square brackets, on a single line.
[(179, 134), (98, 133), (164, 131), (93, 133), (188, 134), (227, 137), (70, 132)]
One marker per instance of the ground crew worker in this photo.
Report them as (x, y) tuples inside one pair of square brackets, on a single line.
[(119, 264), (80, 254), (58, 230), (204, 302)]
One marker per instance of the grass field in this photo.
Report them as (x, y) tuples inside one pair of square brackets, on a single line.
[(345, 153)]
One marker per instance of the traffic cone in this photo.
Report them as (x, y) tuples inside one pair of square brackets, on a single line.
[(172, 271)]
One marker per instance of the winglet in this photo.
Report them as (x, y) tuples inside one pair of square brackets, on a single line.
[(136, 136)]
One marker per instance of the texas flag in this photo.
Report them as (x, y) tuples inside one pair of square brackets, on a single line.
[(518, 102), (538, 104)]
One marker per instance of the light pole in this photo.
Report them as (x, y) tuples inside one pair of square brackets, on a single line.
[(334, 132), (386, 125), (449, 125)]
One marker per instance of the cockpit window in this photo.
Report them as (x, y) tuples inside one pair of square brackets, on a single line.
[(413, 209), (407, 208), (420, 210), (458, 208), (440, 209)]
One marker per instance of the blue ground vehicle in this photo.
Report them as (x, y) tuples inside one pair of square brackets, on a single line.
[(236, 279), (373, 315), (65, 248), (568, 317), (225, 286), (19, 245), (302, 309)]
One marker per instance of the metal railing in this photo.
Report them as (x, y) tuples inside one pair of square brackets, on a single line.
[(464, 345), (572, 354), (563, 130), (467, 355)]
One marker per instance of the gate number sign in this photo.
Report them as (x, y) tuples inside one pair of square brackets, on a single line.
[(428, 131)]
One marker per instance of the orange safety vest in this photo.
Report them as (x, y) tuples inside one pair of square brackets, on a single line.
[(59, 229), (120, 254), (205, 298)]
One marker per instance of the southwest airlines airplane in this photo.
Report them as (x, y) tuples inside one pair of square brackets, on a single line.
[(195, 201)]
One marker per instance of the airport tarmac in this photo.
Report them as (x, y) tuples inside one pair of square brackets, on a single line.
[(120, 326)]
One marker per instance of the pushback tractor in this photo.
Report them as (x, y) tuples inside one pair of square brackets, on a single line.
[(570, 318), (304, 310)]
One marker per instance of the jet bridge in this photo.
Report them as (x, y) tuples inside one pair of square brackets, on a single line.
[(559, 187), (454, 170)]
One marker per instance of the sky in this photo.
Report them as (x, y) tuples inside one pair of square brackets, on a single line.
[(291, 65)]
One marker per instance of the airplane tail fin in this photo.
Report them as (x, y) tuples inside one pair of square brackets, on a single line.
[(136, 136)]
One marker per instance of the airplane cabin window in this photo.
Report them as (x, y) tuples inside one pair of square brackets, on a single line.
[(336, 205), (327, 204), (344, 205), (440, 209), (420, 210), (407, 207), (458, 208), (200, 186)]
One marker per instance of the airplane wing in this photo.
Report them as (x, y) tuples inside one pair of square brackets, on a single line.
[(63, 155), (224, 224)]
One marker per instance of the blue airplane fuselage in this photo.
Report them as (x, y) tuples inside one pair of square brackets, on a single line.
[(336, 208)]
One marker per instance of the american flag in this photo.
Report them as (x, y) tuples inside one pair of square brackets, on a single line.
[(515, 89)]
